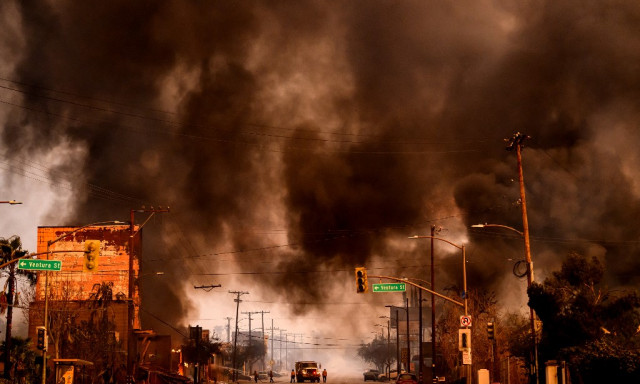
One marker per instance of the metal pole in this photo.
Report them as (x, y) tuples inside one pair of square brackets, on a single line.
[(433, 308), (464, 281), (408, 339), (397, 344), (46, 316), (420, 357), (466, 307)]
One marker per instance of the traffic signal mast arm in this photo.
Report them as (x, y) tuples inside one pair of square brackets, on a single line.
[(419, 287)]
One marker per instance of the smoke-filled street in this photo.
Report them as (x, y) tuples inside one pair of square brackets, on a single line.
[(267, 149)]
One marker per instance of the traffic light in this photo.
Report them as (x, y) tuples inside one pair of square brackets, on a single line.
[(41, 338), (491, 332), (91, 255), (362, 285)]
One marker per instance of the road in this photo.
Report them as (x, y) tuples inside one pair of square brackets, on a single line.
[(332, 379)]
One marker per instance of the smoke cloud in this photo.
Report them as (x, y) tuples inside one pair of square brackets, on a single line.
[(297, 140)]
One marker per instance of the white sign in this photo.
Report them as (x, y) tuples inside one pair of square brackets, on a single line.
[(466, 357), (465, 321)]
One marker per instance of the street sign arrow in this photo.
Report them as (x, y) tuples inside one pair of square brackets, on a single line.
[(40, 265), (389, 287)]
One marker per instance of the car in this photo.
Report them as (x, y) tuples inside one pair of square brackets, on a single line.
[(371, 374), (393, 374), (407, 378)]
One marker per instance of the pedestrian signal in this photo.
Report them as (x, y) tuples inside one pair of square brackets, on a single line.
[(464, 339), (91, 255), (41, 338), (491, 332), (362, 285)]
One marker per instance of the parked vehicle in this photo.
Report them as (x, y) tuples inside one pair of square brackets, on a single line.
[(407, 378), (393, 375), (372, 375), (307, 370)]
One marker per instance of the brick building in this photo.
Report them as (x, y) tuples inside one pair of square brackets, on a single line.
[(74, 291)]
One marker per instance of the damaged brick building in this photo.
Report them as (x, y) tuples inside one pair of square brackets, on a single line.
[(78, 294)]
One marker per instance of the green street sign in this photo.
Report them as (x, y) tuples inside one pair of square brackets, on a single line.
[(390, 287), (40, 265)]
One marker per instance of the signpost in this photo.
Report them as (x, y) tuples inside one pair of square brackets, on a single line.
[(389, 287), (40, 265)]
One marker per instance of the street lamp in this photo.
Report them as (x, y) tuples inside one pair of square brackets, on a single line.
[(527, 255), (12, 202), (464, 294), (46, 284)]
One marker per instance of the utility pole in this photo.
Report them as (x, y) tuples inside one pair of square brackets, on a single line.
[(250, 336), (294, 348), (286, 350), (299, 346), (263, 335), (516, 142), (131, 342), (281, 330), (196, 378), (235, 340), (228, 329)]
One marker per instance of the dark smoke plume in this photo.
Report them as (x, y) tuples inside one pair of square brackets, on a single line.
[(344, 125)]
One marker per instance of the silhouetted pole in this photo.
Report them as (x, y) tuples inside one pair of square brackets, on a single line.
[(408, 339), (235, 339), (397, 344), (131, 342), (433, 308), (420, 357), (516, 142)]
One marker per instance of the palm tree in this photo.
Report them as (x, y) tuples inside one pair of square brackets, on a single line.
[(11, 249)]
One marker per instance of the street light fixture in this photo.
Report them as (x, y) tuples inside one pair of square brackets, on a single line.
[(485, 225), (12, 202), (527, 254), (46, 284)]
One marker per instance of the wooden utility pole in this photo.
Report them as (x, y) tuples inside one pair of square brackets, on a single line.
[(131, 343), (228, 329), (235, 338), (516, 142)]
